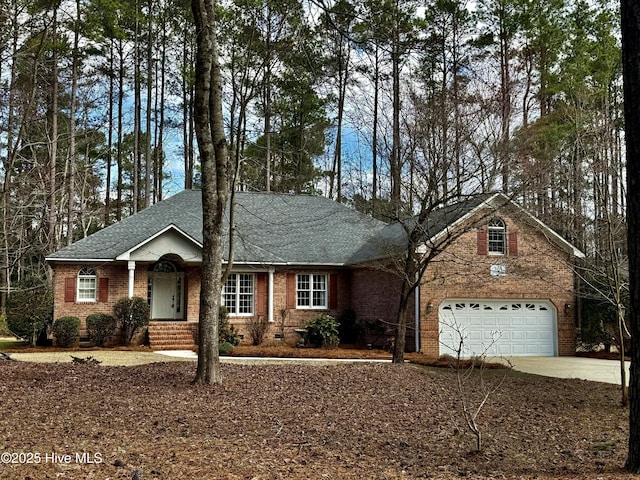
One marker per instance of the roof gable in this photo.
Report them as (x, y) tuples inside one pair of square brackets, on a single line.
[(392, 240), (170, 240)]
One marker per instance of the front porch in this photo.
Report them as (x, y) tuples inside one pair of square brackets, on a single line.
[(173, 335)]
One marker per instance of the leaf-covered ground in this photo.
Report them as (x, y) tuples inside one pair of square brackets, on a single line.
[(364, 421)]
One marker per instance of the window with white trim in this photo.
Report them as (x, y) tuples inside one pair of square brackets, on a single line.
[(497, 237), (311, 291), (87, 285), (238, 294)]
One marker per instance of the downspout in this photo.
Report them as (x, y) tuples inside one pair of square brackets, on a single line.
[(270, 294), (417, 313)]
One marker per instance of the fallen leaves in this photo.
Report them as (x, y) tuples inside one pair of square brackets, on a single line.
[(360, 421)]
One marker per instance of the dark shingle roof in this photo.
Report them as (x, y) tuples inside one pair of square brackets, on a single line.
[(282, 229), (270, 228), (392, 239)]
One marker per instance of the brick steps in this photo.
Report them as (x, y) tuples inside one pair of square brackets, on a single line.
[(172, 335)]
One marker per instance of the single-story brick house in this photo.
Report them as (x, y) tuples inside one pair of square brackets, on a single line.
[(504, 272)]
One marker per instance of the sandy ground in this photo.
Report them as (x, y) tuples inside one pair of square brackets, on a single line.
[(105, 357), (130, 358)]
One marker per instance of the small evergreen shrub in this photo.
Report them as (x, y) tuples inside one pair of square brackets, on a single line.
[(4, 329), (30, 309), (323, 331), (348, 328), (225, 348), (66, 331), (100, 328), (131, 314), (374, 332), (226, 331)]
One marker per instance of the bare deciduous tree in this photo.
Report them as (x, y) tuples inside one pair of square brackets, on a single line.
[(474, 387)]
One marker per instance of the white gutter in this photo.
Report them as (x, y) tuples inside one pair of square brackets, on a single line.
[(79, 260)]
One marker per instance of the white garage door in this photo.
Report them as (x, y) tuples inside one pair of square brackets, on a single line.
[(498, 327)]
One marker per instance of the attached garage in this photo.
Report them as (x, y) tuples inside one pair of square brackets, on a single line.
[(498, 327)]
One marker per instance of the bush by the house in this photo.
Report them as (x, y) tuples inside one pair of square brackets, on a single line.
[(30, 309), (225, 348), (373, 332), (66, 331), (323, 331), (4, 329), (226, 331), (257, 327), (348, 328), (131, 314), (100, 328)]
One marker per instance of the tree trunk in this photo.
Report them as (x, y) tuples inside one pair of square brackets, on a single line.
[(400, 340), (267, 99), (624, 400), (72, 127), (147, 154), (159, 157), (187, 119), (505, 100), (109, 159), (630, 10), (214, 160), (409, 284), (374, 138), (395, 161), (120, 132), (137, 113), (53, 146)]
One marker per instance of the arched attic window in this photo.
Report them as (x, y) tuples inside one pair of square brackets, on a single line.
[(497, 237), (493, 239)]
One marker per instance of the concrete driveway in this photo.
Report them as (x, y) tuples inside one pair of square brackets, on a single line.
[(606, 371)]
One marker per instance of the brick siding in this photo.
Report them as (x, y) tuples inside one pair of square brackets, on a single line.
[(538, 271)]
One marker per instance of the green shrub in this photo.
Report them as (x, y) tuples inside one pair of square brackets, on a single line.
[(226, 331), (131, 314), (30, 309), (100, 328), (66, 331), (225, 348), (4, 329), (323, 331), (348, 329)]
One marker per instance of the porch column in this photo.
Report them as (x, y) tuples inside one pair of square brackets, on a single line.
[(132, 276), (270, 294)]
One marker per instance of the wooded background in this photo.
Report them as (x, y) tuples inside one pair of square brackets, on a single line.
[(375, 103)]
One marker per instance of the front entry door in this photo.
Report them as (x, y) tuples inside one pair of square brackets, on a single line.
[(166, 297)]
